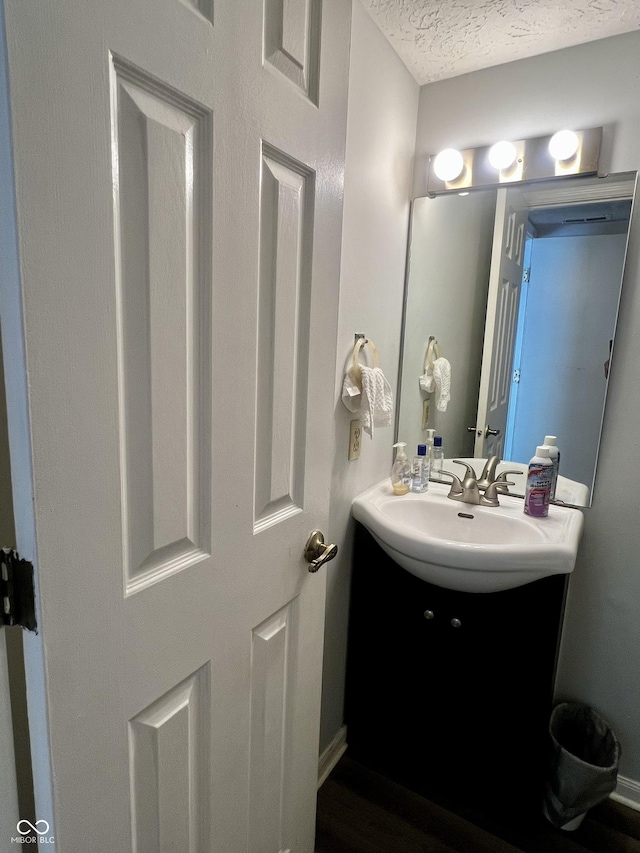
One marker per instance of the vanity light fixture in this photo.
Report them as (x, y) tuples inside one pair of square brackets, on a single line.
[(448, 164), (564, 144), (502, 155), (567, 153)]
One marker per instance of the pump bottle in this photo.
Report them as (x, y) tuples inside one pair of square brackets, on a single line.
[(401, 471)]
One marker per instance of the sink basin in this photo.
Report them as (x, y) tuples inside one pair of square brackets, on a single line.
[(465, 547)]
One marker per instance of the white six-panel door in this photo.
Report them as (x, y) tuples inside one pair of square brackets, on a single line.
[(178, 180)]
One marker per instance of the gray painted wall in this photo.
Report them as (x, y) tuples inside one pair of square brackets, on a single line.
[(585, 86), (383, 105)]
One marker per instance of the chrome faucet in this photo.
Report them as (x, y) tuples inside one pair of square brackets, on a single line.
[(469, 489), (488, 475)]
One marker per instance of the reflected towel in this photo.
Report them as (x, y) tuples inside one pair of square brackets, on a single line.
[(438, 378), (442, 376), (377, 399)]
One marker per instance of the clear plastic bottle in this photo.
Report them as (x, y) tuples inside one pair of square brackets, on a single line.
[(401, 471), (429, 442), (539, 479), (438, 455), (551, 443), (420, 470)]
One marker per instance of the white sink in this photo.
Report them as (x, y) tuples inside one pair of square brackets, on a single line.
[(466, 547)]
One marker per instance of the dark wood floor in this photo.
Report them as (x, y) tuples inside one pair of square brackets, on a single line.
[(360, 811)]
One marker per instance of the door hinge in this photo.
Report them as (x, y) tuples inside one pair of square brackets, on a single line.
[(526, 274), (17, 592), (516, 376)]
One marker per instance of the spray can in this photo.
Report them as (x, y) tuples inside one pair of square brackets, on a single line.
[(539, 480)]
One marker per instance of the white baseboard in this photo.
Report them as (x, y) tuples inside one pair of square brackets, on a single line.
[(332, 754), (627, 792)]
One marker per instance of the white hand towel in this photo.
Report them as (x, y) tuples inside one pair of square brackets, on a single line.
[(377, 399), (442, 378)]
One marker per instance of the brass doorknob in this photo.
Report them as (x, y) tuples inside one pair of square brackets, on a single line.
[(316, 552)]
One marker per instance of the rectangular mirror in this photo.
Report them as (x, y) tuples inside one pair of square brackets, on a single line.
[(520, 287)]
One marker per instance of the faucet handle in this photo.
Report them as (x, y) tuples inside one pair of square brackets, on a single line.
[(490, 496), (502, 486), (456, 484), (469, 472)]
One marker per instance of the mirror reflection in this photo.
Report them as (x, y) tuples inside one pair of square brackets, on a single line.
[(520, 288)]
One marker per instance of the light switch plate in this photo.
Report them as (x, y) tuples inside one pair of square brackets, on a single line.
[(355, 440), (425, 413)]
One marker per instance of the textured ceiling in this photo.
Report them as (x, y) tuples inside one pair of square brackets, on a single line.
[(437, 39)]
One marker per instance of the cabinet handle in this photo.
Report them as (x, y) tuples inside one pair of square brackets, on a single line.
[(456, 623), (429, 614)]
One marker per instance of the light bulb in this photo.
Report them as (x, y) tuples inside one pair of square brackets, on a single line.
[(563, 145), (448, 164), (502, 155)]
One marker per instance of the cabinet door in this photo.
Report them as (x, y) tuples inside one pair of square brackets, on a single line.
[(450, 692)]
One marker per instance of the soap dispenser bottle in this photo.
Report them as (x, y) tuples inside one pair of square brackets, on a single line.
[(401, 471)]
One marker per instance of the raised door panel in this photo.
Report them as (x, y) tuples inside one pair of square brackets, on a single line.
[(203, 8), (292, 42), (286, 224), (169, 770), (161, 154), (273, 685)]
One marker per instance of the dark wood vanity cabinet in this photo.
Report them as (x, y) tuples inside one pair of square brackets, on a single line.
[(449, 692)]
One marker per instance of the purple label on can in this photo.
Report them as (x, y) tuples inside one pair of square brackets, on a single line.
[(539, 483)]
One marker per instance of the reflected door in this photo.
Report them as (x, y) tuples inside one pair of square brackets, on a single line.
[(501, 322)]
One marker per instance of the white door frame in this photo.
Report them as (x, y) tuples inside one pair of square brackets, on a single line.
[(16, 379)]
